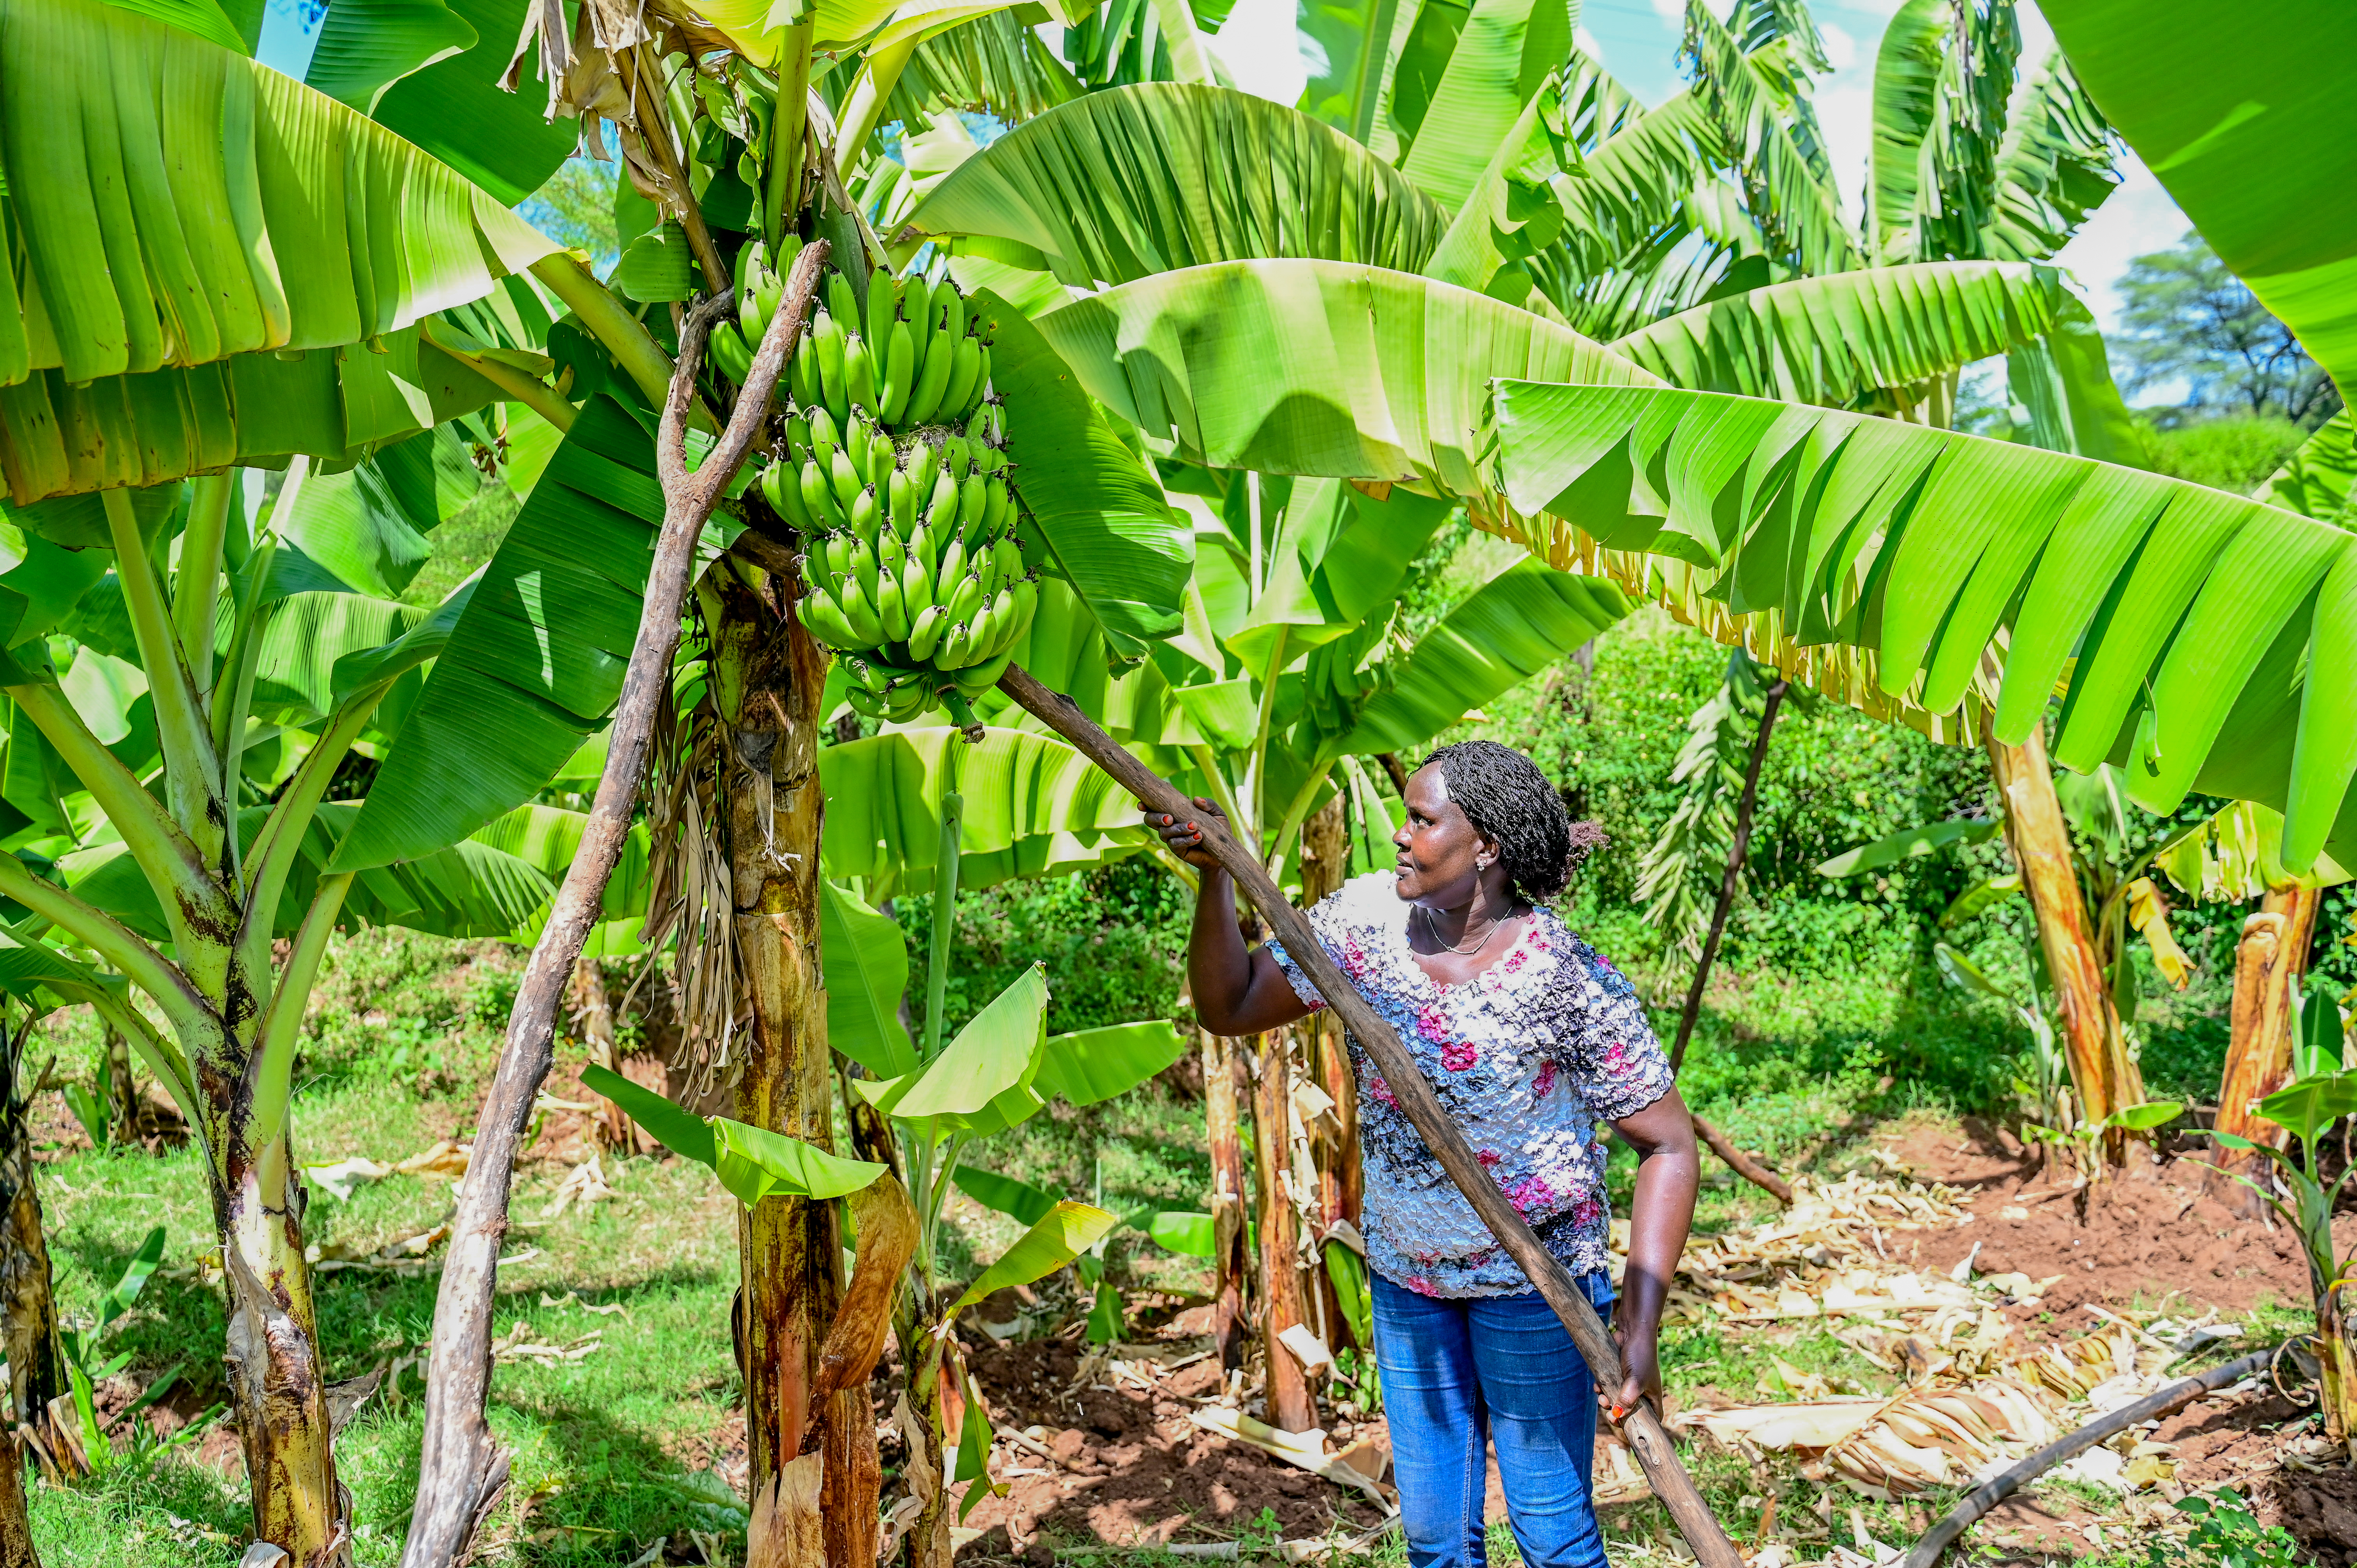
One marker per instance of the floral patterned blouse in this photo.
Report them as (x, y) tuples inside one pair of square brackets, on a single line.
[(1528, 1057)]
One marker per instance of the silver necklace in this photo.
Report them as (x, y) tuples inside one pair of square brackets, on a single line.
[(1433, 926)]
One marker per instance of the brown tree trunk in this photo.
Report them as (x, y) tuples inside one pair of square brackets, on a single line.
[(2268, 962), (1222, 1130), (17, 1548), (122, 1090), (1290, 1404), (28, 1310), (593, 1009), (1334, 1140), (768, 678), (2101, 1074)]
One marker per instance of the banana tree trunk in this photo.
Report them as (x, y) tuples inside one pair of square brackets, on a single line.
[(768, 677), (2101, 1074), (1222, 1130), (594, 1010), (1325, 866), (277, 1382), (121, 1090), (2268, 962), (1290, 1403), (28, 1311), (2338, 1382), (17, 1548)]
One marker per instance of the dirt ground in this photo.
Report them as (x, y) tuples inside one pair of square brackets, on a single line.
[(1124, 1464)]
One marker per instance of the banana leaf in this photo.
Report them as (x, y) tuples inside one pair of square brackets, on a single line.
[(301, 226), (865, 961), (2248, 118), (981, 1083), (1504, 51), (2216, 638), (1139, 180), (456, 108), (1089, 1066), (1062, 1234)]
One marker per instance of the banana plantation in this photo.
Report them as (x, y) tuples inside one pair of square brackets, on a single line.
[(624, 811)]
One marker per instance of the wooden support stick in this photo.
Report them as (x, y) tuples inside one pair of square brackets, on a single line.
[(1642, 1427)]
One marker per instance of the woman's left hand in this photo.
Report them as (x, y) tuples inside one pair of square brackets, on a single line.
[(1639, 1354)]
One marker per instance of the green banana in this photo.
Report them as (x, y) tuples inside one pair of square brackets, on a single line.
[(998, 507), (828, 380), (798, 437), (864, 703), (972, 495), (976, 679), (984, 638), (769, 290), (941, 355), (925, 632), (799, 371), (965, 373), (785, 497), (899, 373), (953, 305), (1006, 559), (845, 478), (916, 585), (860, 611), (729, 356), (888, 609), (840, 299), (917, 310), (941, 505), (838, 548), (824, 619), (957, 456), (883, 304), (900, 501), (952, 567), (965, 600), (920, 550), (866, 519), (882, 461), (855, 443), (952, 651), (826, 435), (859, 373), (818, 497), (863, 569), (1027, 601)]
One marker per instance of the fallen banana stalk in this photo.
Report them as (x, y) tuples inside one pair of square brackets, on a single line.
[(1641, 1428), (1961, 1517)]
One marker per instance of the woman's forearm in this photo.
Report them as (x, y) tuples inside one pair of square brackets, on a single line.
[(1659, 1215), (1219, 965)]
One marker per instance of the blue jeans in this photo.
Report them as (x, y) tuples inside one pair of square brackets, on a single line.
[(1504, 1367)]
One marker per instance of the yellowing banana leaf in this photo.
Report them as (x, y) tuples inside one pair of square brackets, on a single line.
[(1311, 367), (1033, 805), (981, 1083), (178, 204), (1067, 1231), (866, 967), (2246, 116), (2233, 622), (1089, 1066), (1137, 180)]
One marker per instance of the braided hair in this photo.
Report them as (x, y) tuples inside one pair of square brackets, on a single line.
[(1507, 799)]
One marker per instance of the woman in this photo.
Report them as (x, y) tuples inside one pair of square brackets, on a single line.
[(1531, 1040)]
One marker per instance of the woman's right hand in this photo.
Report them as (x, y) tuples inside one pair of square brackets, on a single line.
[(1183, 836)]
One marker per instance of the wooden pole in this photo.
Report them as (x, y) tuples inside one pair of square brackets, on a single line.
[(1737, 848), (1641, 1428), (1290, 1405)]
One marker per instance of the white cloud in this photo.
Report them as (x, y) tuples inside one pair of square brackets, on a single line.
[(1672, 11), (1260, 46), (1587, 44), (1840, 47)]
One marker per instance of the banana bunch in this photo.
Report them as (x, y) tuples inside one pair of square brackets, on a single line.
[(761, 284), (913, 359), (909, 557)]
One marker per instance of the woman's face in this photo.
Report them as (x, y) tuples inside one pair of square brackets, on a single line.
[(1440, 851)]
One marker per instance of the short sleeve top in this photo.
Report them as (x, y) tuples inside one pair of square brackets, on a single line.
[(1527, 1057)]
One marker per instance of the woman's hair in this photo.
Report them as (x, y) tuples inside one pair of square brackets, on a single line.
[(1506, 797)]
